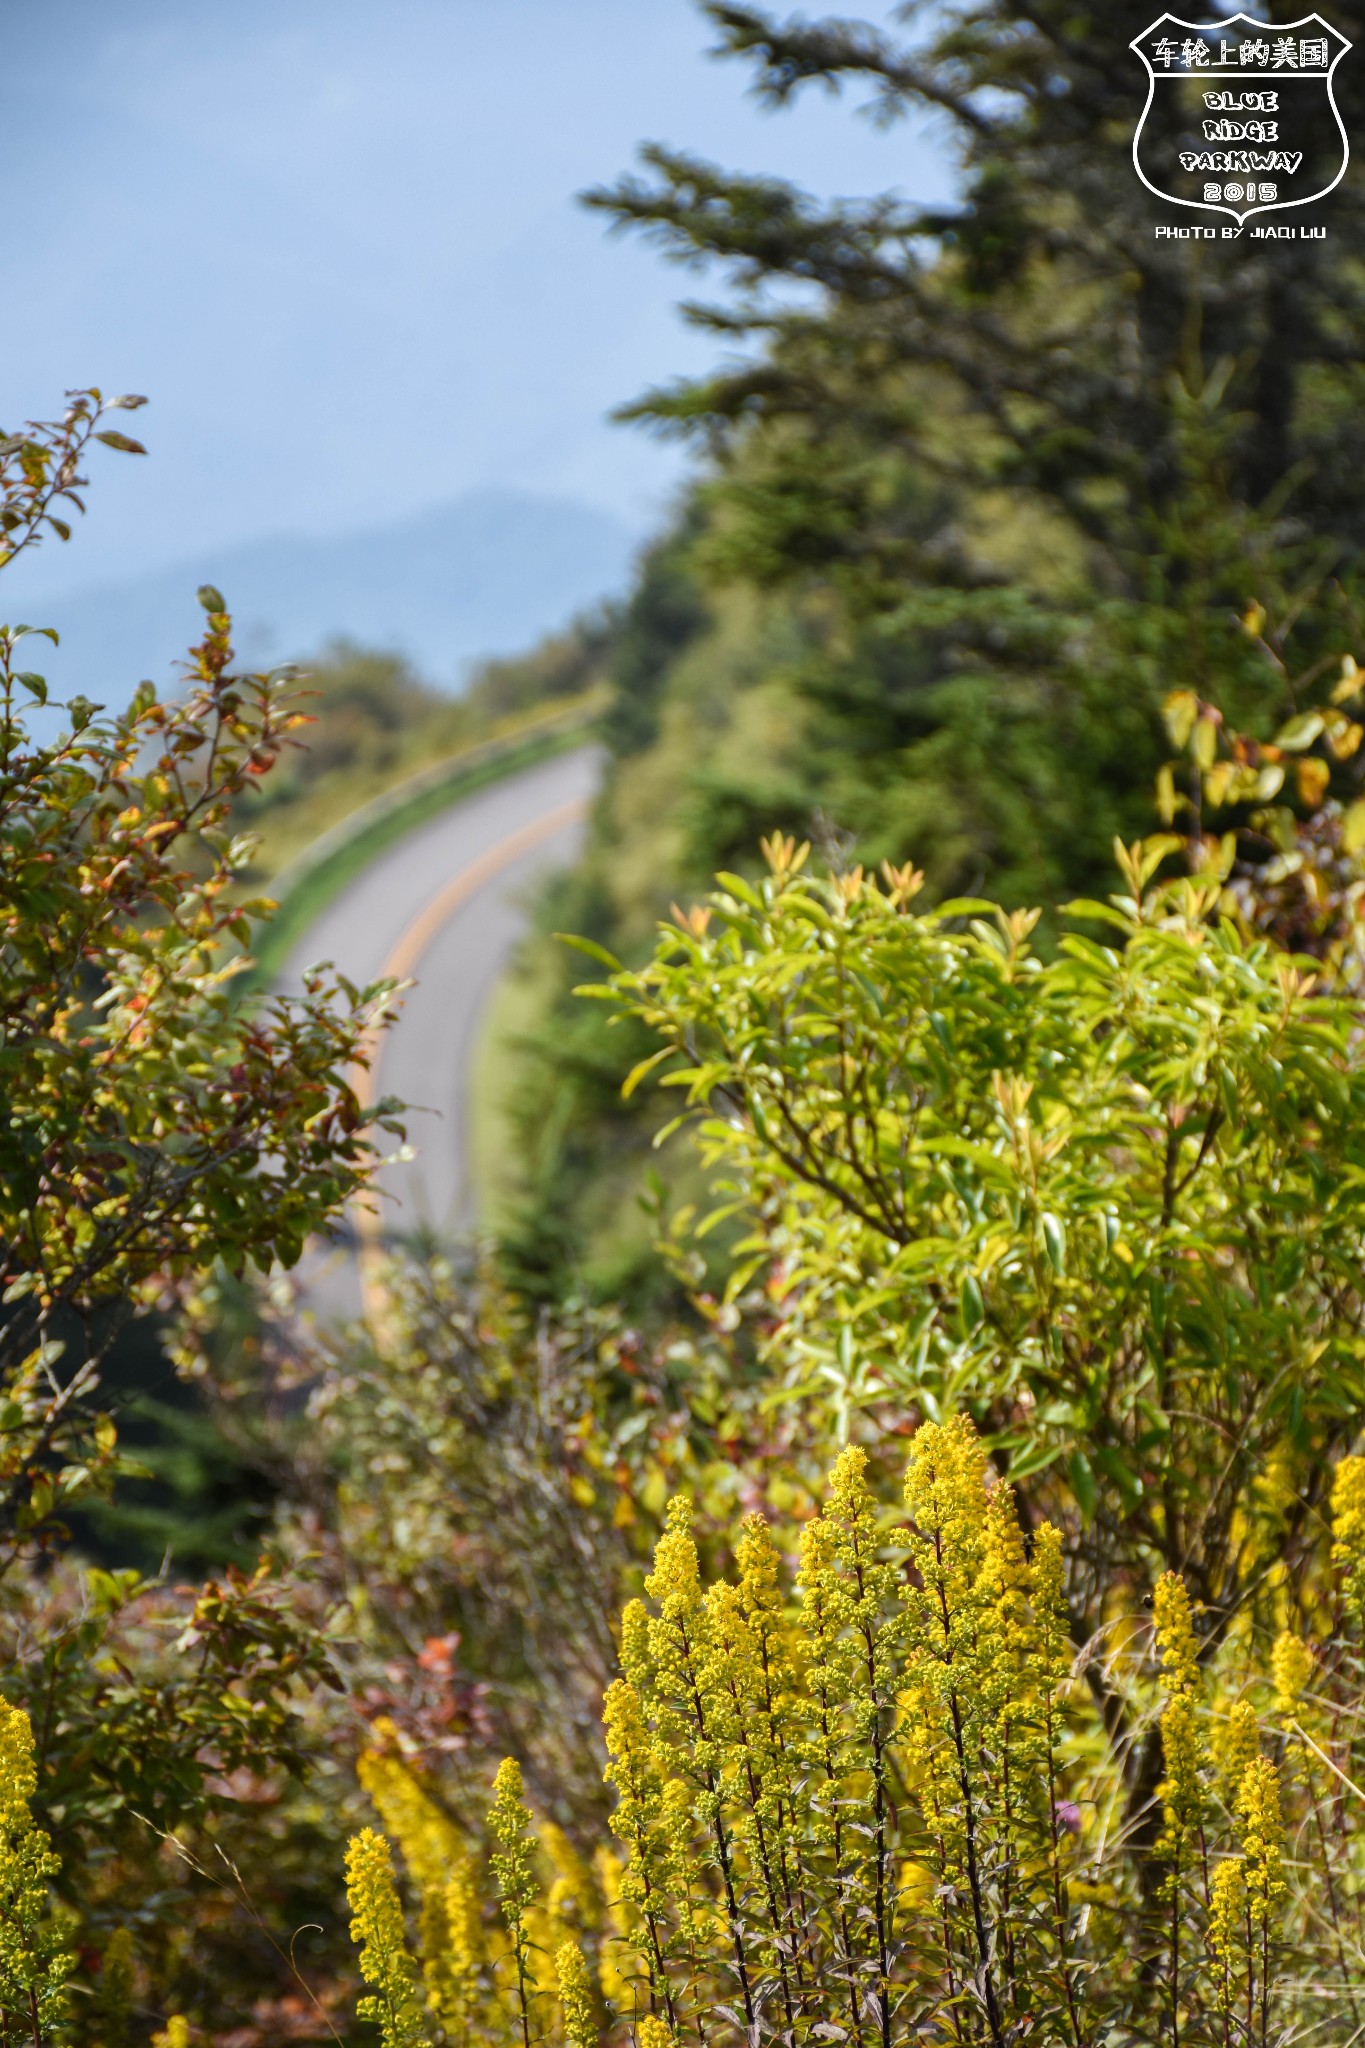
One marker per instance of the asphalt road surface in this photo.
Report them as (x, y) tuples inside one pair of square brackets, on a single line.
[(444, 906)]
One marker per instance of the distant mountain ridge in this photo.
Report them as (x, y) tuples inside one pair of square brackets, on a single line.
[(489, 573)]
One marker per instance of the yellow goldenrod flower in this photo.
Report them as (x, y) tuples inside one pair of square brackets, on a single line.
[(866, 1588), (115, 1990), (655, 1827), (1047, 1585), (945, 1481), (1227, 1924), (457, 1971), (952, 1646), (509, 1822), (1291, 1667), (430, 1845), (652, 2033), (33, 1965), (1240, 1744), (1007, 1635), (1258, 1806), (1348, 1529), (575, 1996), (572, 1902), (18, 1771), (1275, 1490), (1182, 1790), (1175, 1633), (617, 1949), (676, 1639), (829, 1671), (675, 1581), (774, 1680), (427, 1839), (378, 1932), (678, 1862), (633, 1769), (514, 1869)]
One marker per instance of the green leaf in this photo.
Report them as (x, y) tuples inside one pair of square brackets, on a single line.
[(963, 906), (113, 439), (591, 948), (1083, 1484), (210, 598), (641, 1068)]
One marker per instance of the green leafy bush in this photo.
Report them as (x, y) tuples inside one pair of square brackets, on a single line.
[(154, 1127)]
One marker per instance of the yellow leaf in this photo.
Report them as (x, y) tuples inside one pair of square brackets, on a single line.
[(1180, 710), (1313, 776), (1351, 682), (1353, 827), (1218, 782), (1300, 732)]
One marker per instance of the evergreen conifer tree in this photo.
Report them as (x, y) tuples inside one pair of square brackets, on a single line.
[(1033, 462)]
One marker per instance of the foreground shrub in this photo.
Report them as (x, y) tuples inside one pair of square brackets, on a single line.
[(894, 1812), (154, 1125)]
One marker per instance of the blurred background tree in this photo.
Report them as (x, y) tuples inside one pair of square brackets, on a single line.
[(982, 486)]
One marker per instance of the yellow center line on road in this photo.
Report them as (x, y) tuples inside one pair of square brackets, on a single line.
[(400, 965)]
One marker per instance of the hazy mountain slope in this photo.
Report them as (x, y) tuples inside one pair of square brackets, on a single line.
[(489, 573)]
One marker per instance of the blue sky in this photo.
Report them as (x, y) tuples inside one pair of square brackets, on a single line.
[(337, 245)]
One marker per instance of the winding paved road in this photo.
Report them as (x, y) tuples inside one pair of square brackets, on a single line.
[(445, 907)]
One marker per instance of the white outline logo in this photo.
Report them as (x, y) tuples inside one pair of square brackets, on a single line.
[(1183, 69)]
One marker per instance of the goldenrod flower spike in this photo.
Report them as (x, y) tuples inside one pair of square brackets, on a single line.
[(456, 1974), (427, 1839), (1227, 1926), (114, 1995), (430, 1846), (1291, 1667), (378, 1932), (18, 1771), (652, 2033), (945, 1480), (1181, 1792), (675, 1581), (1047, 1581), (509, 1821), (1175, 1635), (575, 1997), (616, 1953), (1240, 1746), (1258, 1805), (514, 1869), (33, 1965), (1348, 1530)]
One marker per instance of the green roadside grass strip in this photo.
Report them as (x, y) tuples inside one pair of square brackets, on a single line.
[(320, 885)]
